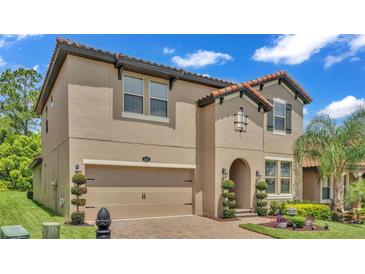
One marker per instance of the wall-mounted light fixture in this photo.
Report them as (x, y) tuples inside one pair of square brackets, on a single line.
[(240, 121), (146, 159), (224, 173), (77, 168), (258, 173)]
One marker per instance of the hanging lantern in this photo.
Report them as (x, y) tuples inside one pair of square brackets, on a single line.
[(240, 121)]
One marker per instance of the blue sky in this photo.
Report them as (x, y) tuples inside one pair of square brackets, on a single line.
[(331, 68)]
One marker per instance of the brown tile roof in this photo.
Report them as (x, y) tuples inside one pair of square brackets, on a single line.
[(252, 83), (315, 163), (68, 42)]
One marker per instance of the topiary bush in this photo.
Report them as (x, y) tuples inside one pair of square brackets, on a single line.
[(79, 179), (261, 187), (229, 213), (229, 202), (228, 184), (318, 211)]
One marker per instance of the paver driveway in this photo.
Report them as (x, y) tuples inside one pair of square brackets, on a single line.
[(186, 227)]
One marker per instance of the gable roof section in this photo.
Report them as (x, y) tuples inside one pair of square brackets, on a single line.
[(256, 95), (65, 46), (315, 163)]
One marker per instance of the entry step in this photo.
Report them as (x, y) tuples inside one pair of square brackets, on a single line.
[(243, 210), (244, 215)]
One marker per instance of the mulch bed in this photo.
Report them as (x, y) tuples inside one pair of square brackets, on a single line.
[(305, 228)]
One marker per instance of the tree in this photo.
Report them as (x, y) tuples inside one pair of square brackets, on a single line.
[(16, 153), (336, 146), (356, 193), (78, 217), (18, 95)]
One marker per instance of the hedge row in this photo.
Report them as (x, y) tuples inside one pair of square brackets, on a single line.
[(318, 211)]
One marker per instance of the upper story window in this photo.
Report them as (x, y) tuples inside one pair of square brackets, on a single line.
[(279, 115), (133, 94), (279, 119), (158, 99)]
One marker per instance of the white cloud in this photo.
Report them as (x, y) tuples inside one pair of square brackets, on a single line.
[(293, 49), (355, 44), (2, 62), (305, 111), (10, 39), (201, 58), (36, 67), (344, 107), (355, 59), (167, 50)]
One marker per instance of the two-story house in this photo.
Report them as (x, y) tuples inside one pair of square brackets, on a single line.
[(158, 141)]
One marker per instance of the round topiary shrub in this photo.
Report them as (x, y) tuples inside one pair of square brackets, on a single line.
[(78, 202), (261, 203), (78, 190), (78, 217), (229, 213), (261, 185), (261, 195), (229, 204), (228, 184), (79, 179), (230, 195)]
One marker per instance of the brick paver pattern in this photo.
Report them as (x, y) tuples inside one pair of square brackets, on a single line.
[(184, 227)]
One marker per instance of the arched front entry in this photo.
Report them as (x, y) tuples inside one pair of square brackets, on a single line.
[(240, 173)]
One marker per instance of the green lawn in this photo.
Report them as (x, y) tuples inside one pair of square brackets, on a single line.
[(16, 209), (336, 231)]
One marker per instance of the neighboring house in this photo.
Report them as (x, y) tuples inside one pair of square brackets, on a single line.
[(158, 141), (320, 189)]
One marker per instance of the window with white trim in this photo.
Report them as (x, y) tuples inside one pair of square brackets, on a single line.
[(279, 115), (270, 176), (278, 176), (158, 99), (133, 94), (326, 189), (285, 177)]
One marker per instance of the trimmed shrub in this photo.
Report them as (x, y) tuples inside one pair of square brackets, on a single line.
[(261, 203), (261, 195), (230, 195), (78, 217), (78, 202), (228, 184), (229, 213), (78, 190), (318, 211), (298, 221), (3, 186), (229, 204), (277, 208), (301, 202), (261, 187), (79, 179), (261, 211)]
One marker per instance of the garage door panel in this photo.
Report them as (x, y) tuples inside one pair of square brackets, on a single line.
[(174, 197)]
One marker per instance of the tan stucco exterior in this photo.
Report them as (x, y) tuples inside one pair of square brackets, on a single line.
[(86, 121)]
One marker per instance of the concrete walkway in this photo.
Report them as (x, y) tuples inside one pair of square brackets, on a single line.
[(184, 227)]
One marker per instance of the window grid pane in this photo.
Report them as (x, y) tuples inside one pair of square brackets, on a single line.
[(158, 91), (325, 193), (133, 103), (285, 186), (270, 185), (133, 85), (285, 169), (279, 109), (270, 168), (279, 123), (158, 108)]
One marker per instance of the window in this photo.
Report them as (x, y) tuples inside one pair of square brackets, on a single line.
[(325, 189), (46, 119), (285, 175), (270, 176), (279, 115), (278, 176), (133, 94), (158, 99)]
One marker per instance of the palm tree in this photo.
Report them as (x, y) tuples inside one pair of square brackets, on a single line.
[(335, 145), (356, 193)]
